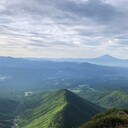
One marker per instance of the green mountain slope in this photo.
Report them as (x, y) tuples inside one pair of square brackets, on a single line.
[(7, 112), (62, 109), (117, 99), (107, 98), (111, 119)]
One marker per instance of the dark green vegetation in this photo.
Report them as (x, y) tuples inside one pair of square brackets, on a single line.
[(106, 98), (7, 112), (111, 119), (62, 109)]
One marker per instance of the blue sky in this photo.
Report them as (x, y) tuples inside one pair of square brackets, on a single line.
[(63, 28)]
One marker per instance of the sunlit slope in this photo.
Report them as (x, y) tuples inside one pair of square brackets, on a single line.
[(62, 109)]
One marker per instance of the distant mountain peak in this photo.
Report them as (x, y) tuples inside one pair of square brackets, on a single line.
[(63, 91), (108, 60), (107, 56)]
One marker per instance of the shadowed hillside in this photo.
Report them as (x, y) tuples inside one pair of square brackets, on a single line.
[(111, 119), (7, 112)]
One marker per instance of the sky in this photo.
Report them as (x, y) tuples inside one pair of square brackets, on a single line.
[(64, 28)]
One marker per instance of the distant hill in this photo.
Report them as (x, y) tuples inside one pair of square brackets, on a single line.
[(106, 59), (107, 98), (20, 75), (62, 109), (111, 119)]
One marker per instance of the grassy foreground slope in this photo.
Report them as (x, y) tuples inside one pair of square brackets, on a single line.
[(114, 118), (62, 109)]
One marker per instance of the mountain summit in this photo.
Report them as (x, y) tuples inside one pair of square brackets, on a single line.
[(108, 60), (62, 109), (106, 56)]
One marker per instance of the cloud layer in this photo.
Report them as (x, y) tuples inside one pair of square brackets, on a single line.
[(69, 28)]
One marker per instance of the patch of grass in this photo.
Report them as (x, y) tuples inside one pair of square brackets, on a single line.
[(114, 118)]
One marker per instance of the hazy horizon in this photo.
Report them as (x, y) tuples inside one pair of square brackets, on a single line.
[(104, 55)]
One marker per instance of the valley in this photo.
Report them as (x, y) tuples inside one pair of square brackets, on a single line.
[(52, 94), (57, 109), (24, 75), (7, 112)]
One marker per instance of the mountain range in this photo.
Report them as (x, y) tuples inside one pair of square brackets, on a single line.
[(61, 109), (20, 75), (29, 96), (106, 98), (106, 60)]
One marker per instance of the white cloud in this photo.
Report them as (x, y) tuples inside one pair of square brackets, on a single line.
[(63, 28)]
